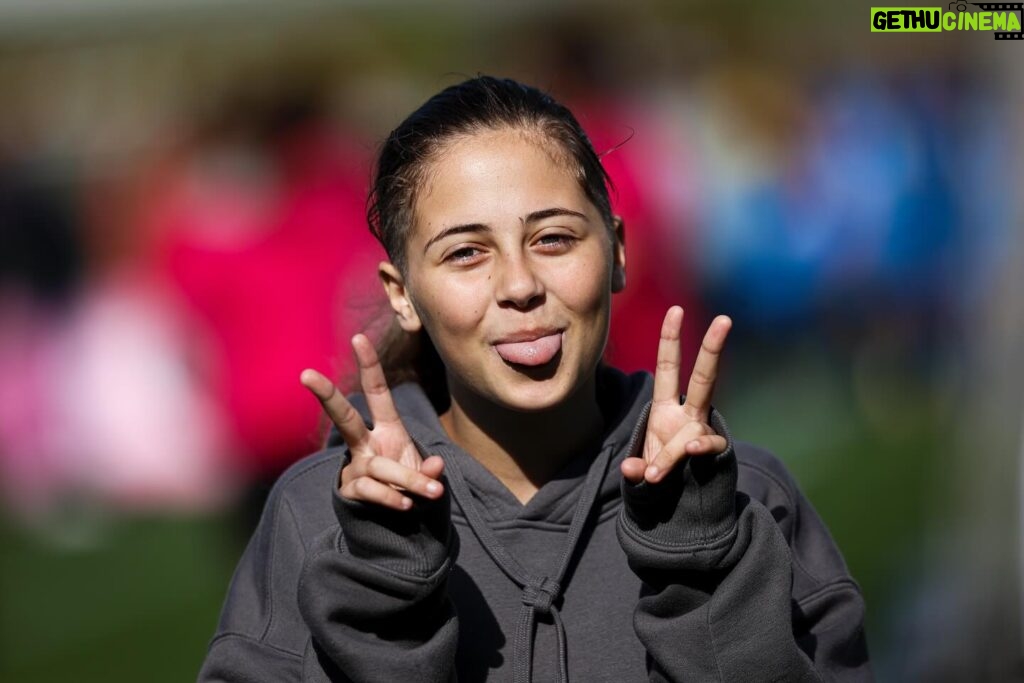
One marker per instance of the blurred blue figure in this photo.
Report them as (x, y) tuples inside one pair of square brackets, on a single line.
[(857, 209)]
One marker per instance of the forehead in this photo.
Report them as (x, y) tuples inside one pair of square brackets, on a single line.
[(494, 175)]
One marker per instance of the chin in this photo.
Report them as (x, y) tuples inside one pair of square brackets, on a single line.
[(536, 389), (532, 399)]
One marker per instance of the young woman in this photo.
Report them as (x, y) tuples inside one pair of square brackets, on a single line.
[(498, 504)]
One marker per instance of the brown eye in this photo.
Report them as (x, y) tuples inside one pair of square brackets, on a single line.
[(556, 242), (462, 255)]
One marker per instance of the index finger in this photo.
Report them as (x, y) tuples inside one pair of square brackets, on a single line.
[(343, 415), (705, 369), (375, 385), (666, 373)]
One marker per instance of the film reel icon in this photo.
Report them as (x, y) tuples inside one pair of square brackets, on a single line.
[(995, 7)]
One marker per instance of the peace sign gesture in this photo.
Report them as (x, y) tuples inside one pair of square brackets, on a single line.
[(385, 461), (676, 430)]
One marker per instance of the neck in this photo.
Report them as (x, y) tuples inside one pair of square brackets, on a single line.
[(524, 450)]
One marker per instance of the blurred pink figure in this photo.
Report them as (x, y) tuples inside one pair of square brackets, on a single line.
[(31, 475), (103, 404), (269, 246), (140, 428)]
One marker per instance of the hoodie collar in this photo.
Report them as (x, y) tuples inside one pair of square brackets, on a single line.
[(622, 398)]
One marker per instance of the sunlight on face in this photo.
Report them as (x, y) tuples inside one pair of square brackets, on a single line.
[(510, 271)]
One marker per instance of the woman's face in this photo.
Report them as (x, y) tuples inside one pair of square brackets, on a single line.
[(510, 270)]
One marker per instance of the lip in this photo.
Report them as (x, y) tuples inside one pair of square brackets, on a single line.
[(529, 335)]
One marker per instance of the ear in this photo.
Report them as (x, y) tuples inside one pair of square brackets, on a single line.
[(618, 254), (398, 295)]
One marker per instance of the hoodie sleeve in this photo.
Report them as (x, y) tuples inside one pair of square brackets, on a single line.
[(363, 599), (374, 593), (260, 636), (718, 600)]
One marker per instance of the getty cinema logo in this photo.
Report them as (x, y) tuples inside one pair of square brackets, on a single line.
[(1000, 17)]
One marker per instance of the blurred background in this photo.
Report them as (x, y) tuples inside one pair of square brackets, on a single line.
[(182, 230)]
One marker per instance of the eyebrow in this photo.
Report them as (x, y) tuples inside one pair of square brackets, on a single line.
[(482, 227)]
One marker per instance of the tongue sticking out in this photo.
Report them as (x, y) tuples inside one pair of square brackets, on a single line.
[(536, 352)]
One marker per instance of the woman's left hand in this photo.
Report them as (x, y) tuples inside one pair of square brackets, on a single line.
[(677, 430)]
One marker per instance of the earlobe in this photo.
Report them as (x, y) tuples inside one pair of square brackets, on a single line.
[(398, 296), (618, 255)]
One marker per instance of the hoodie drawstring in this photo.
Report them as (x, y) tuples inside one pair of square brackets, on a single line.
[(540, 594)]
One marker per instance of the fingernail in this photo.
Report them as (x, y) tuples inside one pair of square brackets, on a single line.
[(693, 445), (433, 487), (652, 473), (406, 503)]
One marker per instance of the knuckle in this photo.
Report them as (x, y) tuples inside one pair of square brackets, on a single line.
[(710, 349), (377, 467), (362, 487), (375, 385), (358, 464), (349, 414), (666, 364), (702, 377), (348, 490), (329, 396)]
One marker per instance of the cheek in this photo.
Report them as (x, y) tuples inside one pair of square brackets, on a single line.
[(449, 310), (584, 284)]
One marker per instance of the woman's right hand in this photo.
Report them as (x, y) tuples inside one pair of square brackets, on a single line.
[(385, 463)]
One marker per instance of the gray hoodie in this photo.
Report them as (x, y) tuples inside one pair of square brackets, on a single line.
[(721, 572)]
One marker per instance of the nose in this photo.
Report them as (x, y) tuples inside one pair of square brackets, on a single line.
[(518, 284)]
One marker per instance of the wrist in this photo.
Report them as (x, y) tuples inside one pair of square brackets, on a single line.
[(415, 542), (692, 509)]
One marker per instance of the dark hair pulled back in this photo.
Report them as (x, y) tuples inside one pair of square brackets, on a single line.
[(476, 105)]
